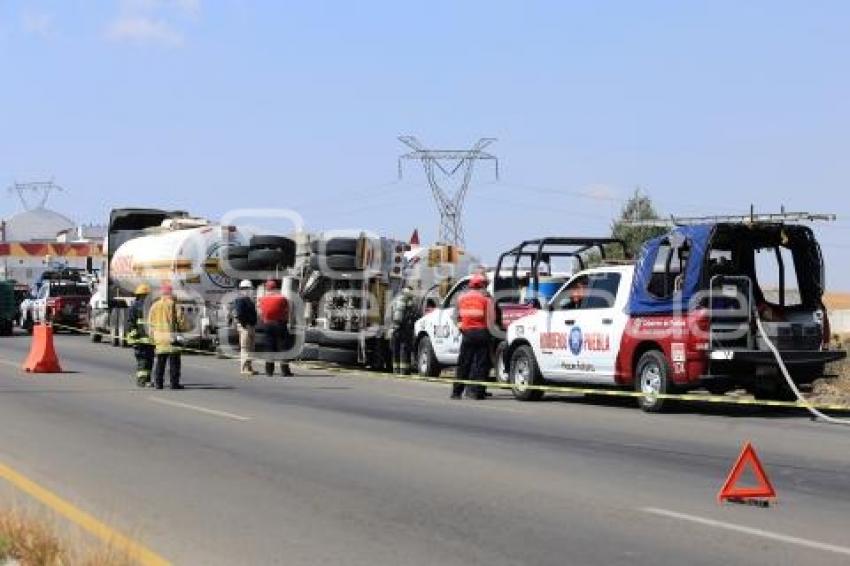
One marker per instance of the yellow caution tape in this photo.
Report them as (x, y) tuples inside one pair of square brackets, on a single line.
[(696, 397)]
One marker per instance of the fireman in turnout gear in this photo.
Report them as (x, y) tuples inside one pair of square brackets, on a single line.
[(403, 310), (166, 323), (139, 338), (475, 313)]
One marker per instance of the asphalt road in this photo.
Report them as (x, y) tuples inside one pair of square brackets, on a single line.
[(337, 468)]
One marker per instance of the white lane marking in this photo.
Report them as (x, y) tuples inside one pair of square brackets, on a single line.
[(204, 410), (750, 531)]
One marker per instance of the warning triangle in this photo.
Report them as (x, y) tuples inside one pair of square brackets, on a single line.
[(747, 459)]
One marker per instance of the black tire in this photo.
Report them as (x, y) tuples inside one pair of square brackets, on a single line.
[(309, 352), (524, 371), (95, 336), (312, 335), (501, 372), (774, 391), (337, 355), (233, 252), (335, 246), (426, 362), (653, 375), (334, 263), (270, 259), (282, 243), (238, 266)]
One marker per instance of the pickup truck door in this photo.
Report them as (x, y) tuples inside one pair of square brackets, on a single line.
[(588, 315), (445, 333)]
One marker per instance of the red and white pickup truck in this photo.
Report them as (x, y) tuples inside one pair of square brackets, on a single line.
[(685, 316), (64, 303)]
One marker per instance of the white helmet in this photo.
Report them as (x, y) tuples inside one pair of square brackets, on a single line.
[(245, 284)]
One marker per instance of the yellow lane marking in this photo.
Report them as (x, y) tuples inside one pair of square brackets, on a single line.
[(138, 551), (199, 409)]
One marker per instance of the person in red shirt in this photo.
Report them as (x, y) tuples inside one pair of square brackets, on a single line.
[(474, 313), (274, 315)]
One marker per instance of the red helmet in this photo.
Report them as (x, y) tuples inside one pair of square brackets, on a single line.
[(478, 281), (166, 288), (271, 285)]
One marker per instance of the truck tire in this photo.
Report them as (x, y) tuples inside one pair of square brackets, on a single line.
[(270, 259), (524, 371), (337, 355), (233, 252), (652, 377), (335, 246), (282, 243), (334, 263), (238, 266), (426, 362), (499, 366)]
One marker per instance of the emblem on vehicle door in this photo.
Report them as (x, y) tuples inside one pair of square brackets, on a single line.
[(576, 340)]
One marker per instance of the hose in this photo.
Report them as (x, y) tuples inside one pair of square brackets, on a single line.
[(815, 413)]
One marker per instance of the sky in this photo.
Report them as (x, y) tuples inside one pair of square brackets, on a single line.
[(212, 106)]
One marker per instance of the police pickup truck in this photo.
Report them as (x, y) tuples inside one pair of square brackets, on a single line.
[(524, 275), (60, 300), (685, 316)]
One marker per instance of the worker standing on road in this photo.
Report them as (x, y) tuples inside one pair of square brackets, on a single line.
[(245, 313), (166, 322), (139, 338), (474, 313), (274, 313), (403, 310)]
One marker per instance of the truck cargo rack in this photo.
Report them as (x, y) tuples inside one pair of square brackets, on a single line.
[(751, 218)]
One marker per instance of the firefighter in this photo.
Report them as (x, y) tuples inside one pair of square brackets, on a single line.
[(403, 316), (166, 323), (474, 314), (274, 313), (139, 338), (245, 313)]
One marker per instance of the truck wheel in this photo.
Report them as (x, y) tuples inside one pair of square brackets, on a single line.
[(653, 378), (335, 246), (234, 252), (282, 243), (499, 365), (524, 372), (334, 263), (269, 259), (426, 362)]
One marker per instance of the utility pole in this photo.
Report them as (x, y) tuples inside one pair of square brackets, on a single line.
[(449, 162), (42, 188)]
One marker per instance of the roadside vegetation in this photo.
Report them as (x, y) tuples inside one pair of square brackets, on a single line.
[(29, 541), (836, 387)]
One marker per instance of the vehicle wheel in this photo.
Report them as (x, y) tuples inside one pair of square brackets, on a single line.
[(234, 252), (524, 372), (334, 263), (270, 259), (282, 243), (335, 246), (337, 355), (652, 378), (500, 368), (426, 362), (773, 391)]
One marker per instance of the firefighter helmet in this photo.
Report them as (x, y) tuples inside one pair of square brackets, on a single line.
[(143, 289)]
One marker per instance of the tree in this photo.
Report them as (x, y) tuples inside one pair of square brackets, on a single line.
[(638, 207)]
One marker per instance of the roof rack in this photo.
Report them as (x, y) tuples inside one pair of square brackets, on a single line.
[(751, 218)]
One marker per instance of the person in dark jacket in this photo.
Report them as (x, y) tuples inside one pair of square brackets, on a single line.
[(245, 313), (139, 338), (403, 310)]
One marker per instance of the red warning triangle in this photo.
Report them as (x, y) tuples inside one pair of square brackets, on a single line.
[(763, 490)]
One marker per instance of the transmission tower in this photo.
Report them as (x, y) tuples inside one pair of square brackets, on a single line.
[(449, 162), (40, 188)]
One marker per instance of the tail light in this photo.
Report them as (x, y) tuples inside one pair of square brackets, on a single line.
[(827, 330)]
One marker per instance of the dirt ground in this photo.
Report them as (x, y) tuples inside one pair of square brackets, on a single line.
[(837, 301), (835, 389)]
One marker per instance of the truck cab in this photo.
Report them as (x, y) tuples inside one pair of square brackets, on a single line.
[(700, 309)]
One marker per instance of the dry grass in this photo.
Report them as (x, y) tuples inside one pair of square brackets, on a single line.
[(31, 541), (835, 390)]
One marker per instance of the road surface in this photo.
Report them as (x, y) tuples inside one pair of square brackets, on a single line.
[(337, 468)]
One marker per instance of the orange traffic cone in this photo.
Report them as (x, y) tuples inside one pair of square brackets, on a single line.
[(42, 357)]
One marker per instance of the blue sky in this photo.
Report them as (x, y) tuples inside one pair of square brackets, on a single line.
[(214, 105)]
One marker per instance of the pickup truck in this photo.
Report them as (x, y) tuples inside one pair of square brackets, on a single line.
[(64, 303), (524, 275), (689, 314)]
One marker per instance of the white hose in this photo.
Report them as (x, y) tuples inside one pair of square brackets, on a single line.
[(790, 381)]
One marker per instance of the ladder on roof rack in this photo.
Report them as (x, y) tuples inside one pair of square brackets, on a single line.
[(751, 218)]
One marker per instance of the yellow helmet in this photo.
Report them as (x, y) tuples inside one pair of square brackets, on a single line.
[(143, 289)]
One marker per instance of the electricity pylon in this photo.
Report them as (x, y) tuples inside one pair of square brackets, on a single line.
[(449, 162), (42, 188)]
